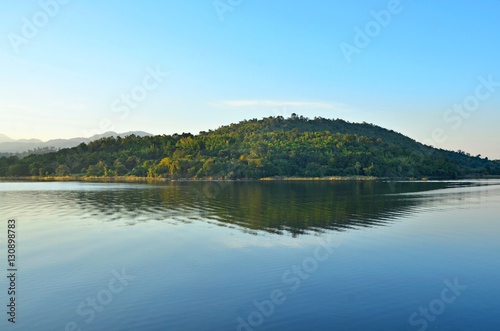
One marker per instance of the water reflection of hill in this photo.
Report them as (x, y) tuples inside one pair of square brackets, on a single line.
[(277, 207)]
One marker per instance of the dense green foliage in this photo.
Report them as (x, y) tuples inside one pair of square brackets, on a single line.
[(273, 146)]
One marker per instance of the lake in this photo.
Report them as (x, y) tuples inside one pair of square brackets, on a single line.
[(305, 255)]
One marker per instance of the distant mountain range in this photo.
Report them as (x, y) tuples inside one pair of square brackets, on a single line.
[(9, 145)]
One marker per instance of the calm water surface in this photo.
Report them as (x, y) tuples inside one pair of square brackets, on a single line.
[(254, 256)]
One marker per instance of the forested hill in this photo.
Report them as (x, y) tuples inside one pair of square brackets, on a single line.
[(273, 146)]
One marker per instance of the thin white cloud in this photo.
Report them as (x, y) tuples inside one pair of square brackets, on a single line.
[(283, 103)]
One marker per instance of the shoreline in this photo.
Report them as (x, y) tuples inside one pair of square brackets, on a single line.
[(134, 179), (151, 180)]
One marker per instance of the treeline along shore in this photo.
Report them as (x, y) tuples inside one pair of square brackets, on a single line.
[(273, 148)]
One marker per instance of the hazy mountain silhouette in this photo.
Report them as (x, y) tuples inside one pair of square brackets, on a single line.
[(9, 145)]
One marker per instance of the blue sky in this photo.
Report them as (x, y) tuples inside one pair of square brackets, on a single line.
[(76, 68)]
